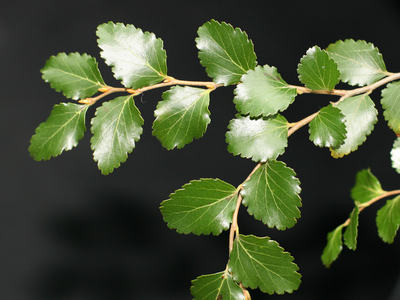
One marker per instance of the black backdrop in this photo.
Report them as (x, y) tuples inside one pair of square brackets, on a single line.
[(68, 232)]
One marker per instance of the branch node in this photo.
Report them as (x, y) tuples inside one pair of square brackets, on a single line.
[(86, 101), (104, 89), (131, 91)]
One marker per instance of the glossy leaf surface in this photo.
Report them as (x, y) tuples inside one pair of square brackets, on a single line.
[(138, 58), (116, 128), (202, 207), (328, 129), (391, 105), (61, 131), (216, 286), (333, 247), (318, 71), (395, 155), (366, 188), (262, 263), (360, 116), (258, 139), (360, 63), (263, 92), (75, 75), (351, 232), (272, 195), (225, 52), (388, 220), (182, 116)]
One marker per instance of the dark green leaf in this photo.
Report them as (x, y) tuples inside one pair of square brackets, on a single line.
[(116, 128), (225, 52), (366, 188), (388, 220), (333, 247), (138, 58), (76, 75), (261, 139), (182, 116), (263, 92), (318, 71), (272, 195), (218, 286), (62, 131), (360, 63), (202, 206), (391, 105), (360, 116), (328, 129), (262, 263), (395, 155), (350, 234)]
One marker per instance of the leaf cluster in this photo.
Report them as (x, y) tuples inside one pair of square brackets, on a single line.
[(366, 191), (258, 132)]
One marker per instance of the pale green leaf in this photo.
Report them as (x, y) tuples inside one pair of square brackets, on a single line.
[(138, 58), (61, 131), (360, 117), (259, 139), (262, 263), (218, 286), (272, 195), (351, 232), (76, 75), (360, 63), (366, 188), (395, 155), (182, 116), (318, 71), (225, 52), (328, 129), (388, 220), (333, 247), (116, 128), (391, 105), (202, 207), (263, 92)]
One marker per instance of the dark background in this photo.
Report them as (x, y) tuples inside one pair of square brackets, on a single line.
[(68, 232)]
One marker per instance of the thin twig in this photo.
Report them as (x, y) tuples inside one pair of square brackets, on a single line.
[(362, 206)]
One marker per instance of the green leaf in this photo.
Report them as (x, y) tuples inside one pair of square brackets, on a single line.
[(138, 58), (360, 63), (218, 286), (360, 116), (350, 234), (328, 129), (76, 75), (272, 195), (263, 92), (262, 263), (391, 105), (333, 247), (116, 128), (225, 52), (388, 220), (318, 71), (366, 188), (259, 139), (395, 155), (61, 131), (182, 116), (202, 206)]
